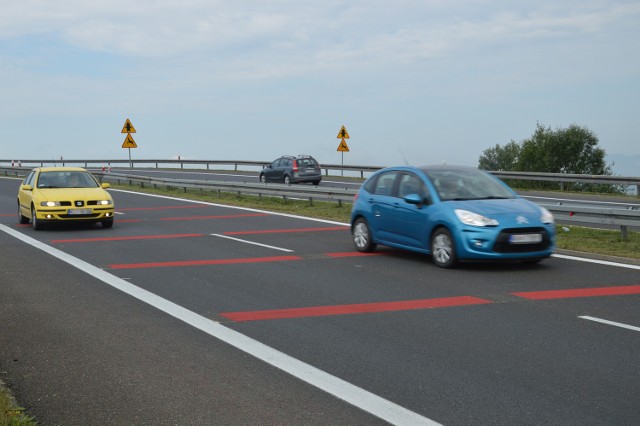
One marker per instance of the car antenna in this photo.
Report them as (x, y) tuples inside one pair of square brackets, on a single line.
[(406, 163)]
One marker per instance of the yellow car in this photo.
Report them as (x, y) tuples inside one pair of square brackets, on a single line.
[(63, 194)]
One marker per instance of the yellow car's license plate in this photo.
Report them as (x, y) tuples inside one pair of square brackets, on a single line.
[(78, 211)]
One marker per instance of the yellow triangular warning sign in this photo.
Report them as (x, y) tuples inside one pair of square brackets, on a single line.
[(129, 142), (343, 134), (343, 147), (128, 127)]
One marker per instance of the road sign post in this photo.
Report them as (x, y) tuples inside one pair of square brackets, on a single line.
[(128, 141), (343, 147)]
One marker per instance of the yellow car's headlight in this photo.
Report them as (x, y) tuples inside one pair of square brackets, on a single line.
[(50, 203), (104, 202)]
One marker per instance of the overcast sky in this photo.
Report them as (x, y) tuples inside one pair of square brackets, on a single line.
[(421, 81)]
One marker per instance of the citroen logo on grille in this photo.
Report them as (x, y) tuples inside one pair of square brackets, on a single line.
[(522, 220)]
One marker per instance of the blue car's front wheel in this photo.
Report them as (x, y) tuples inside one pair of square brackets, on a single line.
[(443, 250), (362, 236)]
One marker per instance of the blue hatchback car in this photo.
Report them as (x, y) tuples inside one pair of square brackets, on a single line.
[(453, 213)]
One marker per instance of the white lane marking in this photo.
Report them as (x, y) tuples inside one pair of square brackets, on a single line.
[(234, 207), (600, 262), (616, 324), (342, 389), (251, 242)]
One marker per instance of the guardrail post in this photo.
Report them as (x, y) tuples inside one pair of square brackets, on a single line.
[(624, 233)]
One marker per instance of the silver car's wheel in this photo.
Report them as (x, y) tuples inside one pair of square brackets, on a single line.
[(287, 180), (443, 250), (35, 223), (362, 236), (263, 178)]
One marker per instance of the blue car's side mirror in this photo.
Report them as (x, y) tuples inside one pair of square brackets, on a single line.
[(416, 199)]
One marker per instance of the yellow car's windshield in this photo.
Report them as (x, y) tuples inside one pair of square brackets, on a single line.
[(66, 179)]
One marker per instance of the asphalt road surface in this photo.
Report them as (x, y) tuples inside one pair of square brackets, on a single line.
[(192, 313)]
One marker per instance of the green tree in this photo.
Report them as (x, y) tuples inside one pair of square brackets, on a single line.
[(573, 150), (500, 158)]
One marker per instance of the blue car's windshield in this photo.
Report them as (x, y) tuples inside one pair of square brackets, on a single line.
[(467, 184)]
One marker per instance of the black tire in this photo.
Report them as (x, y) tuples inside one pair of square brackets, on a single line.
[(287, 180), (35, 223), (263, 178), (107, 223), (443, 249), (362, 237), (316, 182), (22, 218)]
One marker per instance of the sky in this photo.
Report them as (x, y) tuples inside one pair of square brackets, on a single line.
[(412, 81)]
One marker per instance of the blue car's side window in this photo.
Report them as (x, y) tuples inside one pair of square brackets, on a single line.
[(384, 184)]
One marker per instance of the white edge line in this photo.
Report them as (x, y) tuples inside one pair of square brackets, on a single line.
[(616, 324), (342, 389), (601, 262), (251, 242), (233, 207)]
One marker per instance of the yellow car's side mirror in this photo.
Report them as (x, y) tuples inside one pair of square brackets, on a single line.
[(105, 185), (26, 187)]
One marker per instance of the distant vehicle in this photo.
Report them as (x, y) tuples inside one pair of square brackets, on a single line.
[(63, 194), (453, 213), (292, 169)]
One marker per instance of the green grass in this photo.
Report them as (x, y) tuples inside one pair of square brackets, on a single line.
[(581, 239), (10, 413)]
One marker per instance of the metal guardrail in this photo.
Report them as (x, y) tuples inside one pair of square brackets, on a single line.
[(622, 216), (548, 177), (182, 163), (311, 193), (578, 213)]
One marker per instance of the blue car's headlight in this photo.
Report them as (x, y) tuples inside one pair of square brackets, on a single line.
[(546, 216), (474, 219)]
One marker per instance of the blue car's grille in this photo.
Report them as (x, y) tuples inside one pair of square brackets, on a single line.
[(502, 244)]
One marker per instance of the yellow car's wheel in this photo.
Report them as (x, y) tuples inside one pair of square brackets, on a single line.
[(22, 218), (35, 223)]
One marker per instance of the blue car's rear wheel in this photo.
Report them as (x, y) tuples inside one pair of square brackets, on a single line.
[(362, 236), (443, 250)]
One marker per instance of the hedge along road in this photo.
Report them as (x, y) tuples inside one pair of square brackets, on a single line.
[(484, 343)]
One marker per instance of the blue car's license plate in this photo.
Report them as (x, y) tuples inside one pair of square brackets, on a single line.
[(525, 238)]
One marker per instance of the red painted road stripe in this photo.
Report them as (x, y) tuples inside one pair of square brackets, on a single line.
[(361, 308), (579, 292), (7, 214), (129, 238), (164, 208), (231, 216), (203, 262), (279, 231)]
